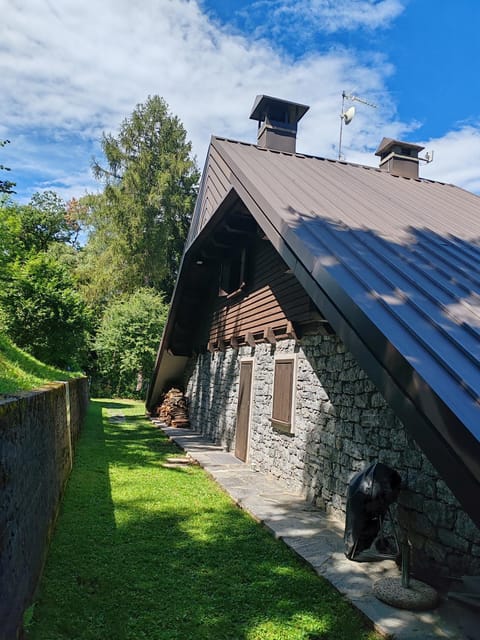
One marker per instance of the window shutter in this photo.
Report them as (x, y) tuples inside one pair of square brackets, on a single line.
[(283, 394)]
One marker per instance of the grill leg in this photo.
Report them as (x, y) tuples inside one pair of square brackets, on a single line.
[(405, 565)]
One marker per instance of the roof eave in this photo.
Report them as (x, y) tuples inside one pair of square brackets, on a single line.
[(156, 387)]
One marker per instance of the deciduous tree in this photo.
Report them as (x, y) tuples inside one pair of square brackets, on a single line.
[(127, 340), (44, 313), (6, 186), (41, 308)]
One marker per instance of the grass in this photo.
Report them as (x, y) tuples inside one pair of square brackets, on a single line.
[(143, 551), (20, 371)]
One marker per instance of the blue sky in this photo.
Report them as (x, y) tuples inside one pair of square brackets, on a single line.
[(72, 70)]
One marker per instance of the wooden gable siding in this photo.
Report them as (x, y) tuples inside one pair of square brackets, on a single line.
[(214, 186), (271, 300)]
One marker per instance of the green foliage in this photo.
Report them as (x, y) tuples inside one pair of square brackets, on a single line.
[(6, 186), (106, 270), (43, 313), (44, 224), (21, 371), (53, 292), (143, 551), (28, 617), (42, 310), (44, 221), (11, 243), (127, 340), (144, 212)]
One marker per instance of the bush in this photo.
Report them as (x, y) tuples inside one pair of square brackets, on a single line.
[(43, 312), (127, 341)]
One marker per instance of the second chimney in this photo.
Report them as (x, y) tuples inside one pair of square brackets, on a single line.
[(277, 122), (399, 158)]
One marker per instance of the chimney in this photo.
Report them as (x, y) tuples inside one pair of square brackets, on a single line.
[(399, 158), (277, 122)]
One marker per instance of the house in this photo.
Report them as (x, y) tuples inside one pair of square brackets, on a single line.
[(327, 316)]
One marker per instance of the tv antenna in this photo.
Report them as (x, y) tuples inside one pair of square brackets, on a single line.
[(348, 115), (428, 157)]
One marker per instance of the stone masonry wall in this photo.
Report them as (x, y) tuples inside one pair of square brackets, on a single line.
[(38, 432), (342, 424)]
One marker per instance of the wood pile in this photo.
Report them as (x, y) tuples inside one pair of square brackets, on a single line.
[(173, 410)]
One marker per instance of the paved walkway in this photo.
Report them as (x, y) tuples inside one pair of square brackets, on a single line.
[(318, 539)]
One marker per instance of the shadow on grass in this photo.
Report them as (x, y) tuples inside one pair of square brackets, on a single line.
[(144, 551), (85, 530), (114, 404)]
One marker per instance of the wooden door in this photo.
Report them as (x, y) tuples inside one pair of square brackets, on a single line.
[(243, 410)]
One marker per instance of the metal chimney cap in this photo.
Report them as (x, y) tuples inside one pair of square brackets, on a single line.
[(277, 109), (387, 145)]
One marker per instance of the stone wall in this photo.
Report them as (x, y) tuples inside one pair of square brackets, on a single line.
[(38, 432), (342, 424)]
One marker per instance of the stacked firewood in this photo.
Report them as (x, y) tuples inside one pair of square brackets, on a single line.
[(173, 410)]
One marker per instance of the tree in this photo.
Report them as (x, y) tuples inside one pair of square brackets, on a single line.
[(46, 220), (144, 212), (41, 226), (11, 245), (41, 308), (127, 341), (34, 227), (43, 312), (6, 186), (106, 269)]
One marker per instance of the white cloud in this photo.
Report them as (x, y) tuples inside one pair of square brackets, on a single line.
[(456, 158), (80, 68), (330, 16), (348, 14), (71, 70), (456, 155)]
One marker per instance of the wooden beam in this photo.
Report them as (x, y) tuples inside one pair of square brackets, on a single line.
[(291, 332), (250, 339), (211, 347), (234, 342), (269, 336)]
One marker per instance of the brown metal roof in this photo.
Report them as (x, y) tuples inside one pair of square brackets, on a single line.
[(394, 265), (357, 195)]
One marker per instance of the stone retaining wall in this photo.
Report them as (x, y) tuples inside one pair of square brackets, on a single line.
[(342, 424), (38, 432)]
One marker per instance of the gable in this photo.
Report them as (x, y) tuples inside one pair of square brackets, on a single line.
[(270, 305)]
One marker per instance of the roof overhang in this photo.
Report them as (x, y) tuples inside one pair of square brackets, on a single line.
[(197, 270)]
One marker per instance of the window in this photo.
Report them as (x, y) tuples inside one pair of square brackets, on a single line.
[(283, 406), (232, 276)]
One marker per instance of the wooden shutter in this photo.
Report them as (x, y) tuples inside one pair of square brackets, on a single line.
[(283, 390), (243, 410)]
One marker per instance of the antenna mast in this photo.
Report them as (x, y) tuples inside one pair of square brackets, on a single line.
[(347, 116)]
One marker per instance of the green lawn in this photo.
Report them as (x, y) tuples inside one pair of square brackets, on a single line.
[(143, 551)]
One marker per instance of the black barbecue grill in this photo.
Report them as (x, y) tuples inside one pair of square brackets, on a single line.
[(369, 525)]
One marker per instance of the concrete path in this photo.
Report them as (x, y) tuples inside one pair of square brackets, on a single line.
[(318, 539)]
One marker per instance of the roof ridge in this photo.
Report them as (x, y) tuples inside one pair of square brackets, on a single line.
[(332, 160)]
